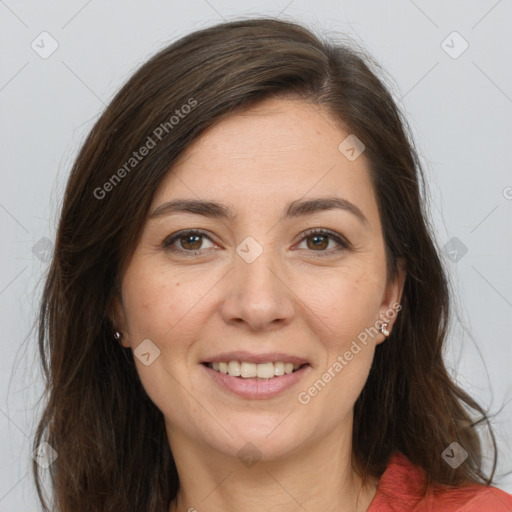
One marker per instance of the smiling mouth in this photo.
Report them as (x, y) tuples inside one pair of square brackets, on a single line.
[(260, 371)]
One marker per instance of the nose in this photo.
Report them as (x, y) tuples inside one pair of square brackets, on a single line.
[(257, 295)]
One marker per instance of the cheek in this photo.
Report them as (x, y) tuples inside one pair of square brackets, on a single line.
[(345, 304), (157, 300), (344, 320)]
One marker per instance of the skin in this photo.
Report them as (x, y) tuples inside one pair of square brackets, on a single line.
[(287, 300)]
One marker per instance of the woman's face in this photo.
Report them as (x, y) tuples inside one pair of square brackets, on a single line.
[(262, 287)]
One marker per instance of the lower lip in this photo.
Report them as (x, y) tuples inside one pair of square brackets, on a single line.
[(255, 389)]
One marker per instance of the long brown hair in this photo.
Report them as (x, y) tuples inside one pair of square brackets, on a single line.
[(113, 453)]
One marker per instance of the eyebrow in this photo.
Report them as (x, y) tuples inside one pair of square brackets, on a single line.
[(298, 208)]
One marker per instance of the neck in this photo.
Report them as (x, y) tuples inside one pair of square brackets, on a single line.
[(316, 477)]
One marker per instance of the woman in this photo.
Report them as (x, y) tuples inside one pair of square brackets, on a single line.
[(246, 220)]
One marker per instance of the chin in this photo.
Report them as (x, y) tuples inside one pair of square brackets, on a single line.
[(259, 440)]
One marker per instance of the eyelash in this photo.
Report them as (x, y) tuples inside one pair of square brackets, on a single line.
[(310, 232)]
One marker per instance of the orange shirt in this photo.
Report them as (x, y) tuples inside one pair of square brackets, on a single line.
[(401, 490)]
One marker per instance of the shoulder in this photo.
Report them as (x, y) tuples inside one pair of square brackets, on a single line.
[(401, 488)]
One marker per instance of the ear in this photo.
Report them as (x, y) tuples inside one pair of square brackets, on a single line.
[(390, 306), (118, 319)]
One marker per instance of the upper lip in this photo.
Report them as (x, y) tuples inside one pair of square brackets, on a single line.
[(249, 357)]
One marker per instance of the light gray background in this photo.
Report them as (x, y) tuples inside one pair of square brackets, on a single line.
[(459, 109)]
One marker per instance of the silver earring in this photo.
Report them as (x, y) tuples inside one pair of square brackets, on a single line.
[(117, 335), (384, 329)]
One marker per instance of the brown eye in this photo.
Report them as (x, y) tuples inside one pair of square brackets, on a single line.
[(192, 242), (318, 240), (189, 241)]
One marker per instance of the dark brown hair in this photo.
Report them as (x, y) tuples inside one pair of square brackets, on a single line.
[(113, 452)]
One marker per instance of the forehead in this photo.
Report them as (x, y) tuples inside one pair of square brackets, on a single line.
[(274, 153), (276, 130)]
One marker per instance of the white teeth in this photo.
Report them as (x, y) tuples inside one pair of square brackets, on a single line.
[(265, 370), (248, 370), (252, 370), (278, 369), (234, 368)]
